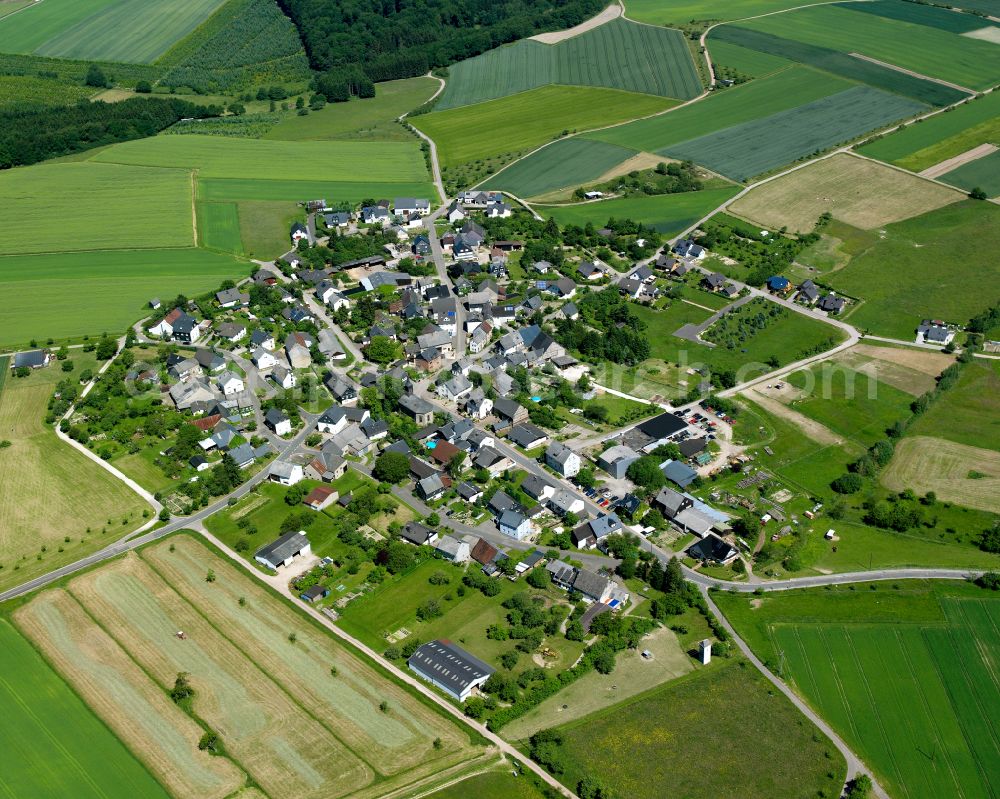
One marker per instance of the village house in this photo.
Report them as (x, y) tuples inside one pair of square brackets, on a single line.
[(561, 458)]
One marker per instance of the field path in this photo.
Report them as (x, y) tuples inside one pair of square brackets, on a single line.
[(956, 161), (913, 74), (819, 433), (613, 11)]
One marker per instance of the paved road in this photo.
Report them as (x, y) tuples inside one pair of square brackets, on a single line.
[(442, 271)]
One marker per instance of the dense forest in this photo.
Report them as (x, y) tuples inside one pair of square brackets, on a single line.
[(392, 39), (32, 134)]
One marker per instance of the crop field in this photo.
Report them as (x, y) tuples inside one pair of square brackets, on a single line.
[(54, 745), (524, 121), (782, 91), (240, 189), (90, 292), (932, 265), (219, 157), (219, 227), (943, 136), (928, 51), (907, 675), (283, 717), (967, 412), (750, 62), (373, 118), (854, 190), (16, 90), (982, 173), (968, 476), (656, 12), (131, 31), (56, 505), (765, 144), (618, 55), (931, 16), (565, 163), (126, 699), (654, 746), (840, 63), (668, 213), (499, 784), (94, 207)]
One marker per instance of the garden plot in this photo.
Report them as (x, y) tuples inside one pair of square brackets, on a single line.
[(287, 752), (129, 702)]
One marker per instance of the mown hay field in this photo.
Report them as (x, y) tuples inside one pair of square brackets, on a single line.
[(919, 146), (928, 51), (87, 206), (968, 476), (130, 31), (931, 266), (981, 173), (618, 55), (907, 674), (54, 746), (524, 121), (655, 745), (126, 699), (86, 293), (838, 62), (787, 89), (656, 12), (967, 412), (668, 213), (49, 491), (565, 163), (759, 146), (854, 190), (239, 189), (221, 157), (294, 711)]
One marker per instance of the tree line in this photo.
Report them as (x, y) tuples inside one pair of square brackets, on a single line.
[(36, 133), (390, 39)]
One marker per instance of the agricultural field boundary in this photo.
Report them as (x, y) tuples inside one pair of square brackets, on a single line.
[(949, 164), (913, 74), (613, 11)]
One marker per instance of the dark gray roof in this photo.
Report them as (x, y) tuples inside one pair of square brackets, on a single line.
[(450, 665), (589, 583), (283, 548), (31, 358)]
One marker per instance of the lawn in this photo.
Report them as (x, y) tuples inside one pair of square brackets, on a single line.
[(491, 785), (656, 12), (983, 173), (761, 145), (943, 136), (130, 31), (56, 505), (931, 266), (928, 51), (859, 192), (668, 213), (656, 745), (87, 293), (54, 746), (618, 55), (523, 121), (905, 673), (837, 62), (223, 157), (565, 163), (87, 206), (784, 90), (373, 118), (967, 412)]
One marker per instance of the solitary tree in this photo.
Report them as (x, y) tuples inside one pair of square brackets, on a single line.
[(391, 467)]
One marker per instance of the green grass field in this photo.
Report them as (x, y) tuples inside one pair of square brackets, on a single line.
[(617, 55), (264, 226), (374, 118), (668, 213), (906, 673), (88, 206), (219, 227), (524, 121), (131, 31), (565, 163), (54, 746), (750, 62), (90, 292), (928, 51), (220, 157), (767, 143), (967, 412), (49, 492), (932, 265), (656, 12), (919, 14), (656, 745), (289, 191), (491, 785), (760, 98), (840, 63), (943, 136), (983, 173)]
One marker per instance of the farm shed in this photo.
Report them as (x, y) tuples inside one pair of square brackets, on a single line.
[(284, 550), (450, 668)]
